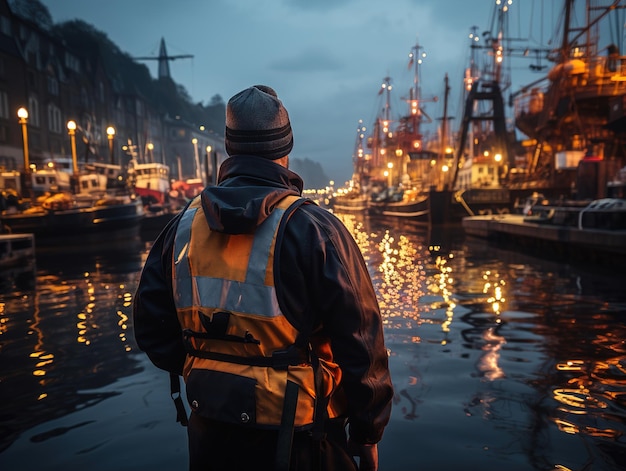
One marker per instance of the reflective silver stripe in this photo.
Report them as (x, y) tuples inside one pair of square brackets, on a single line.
[(181, 250), (232, 296), (249, 297), (261, 246)]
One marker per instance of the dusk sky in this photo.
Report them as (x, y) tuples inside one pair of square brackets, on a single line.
[(325, 58)]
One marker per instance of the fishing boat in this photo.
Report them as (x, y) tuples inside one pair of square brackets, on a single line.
[(474, 169), (55, 205), (62, 215), (401, 168), (151, 181), (355, 197), (576, 119), (393, 168), (575, 116)]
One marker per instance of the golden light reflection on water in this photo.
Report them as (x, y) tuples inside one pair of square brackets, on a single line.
[(398, 274), (417, 286), (90, 299)]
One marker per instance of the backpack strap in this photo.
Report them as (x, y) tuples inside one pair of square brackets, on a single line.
[(181, 413)]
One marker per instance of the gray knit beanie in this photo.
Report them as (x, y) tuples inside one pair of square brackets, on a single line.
[(257, 123)]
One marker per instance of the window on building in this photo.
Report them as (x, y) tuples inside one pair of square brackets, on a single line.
[(55, 122), (4, 105), (33, 111), (71, 62), (5, 25), (53, 86)]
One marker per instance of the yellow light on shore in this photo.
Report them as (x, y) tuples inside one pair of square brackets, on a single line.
[(71, 129), (111, 136), (22, 114)]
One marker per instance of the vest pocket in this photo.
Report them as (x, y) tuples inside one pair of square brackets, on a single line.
[(222, 396)]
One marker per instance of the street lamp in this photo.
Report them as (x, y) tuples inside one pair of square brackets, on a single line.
[(209, 167), (22, 114), (71, 129), (194, 141), (111, 136)]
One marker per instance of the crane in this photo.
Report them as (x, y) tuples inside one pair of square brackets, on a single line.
[(163, 58)]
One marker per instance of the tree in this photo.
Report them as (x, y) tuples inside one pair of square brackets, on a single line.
[(32, 10)]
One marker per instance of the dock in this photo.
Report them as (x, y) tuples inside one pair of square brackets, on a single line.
[(15, 249), (560, 241)]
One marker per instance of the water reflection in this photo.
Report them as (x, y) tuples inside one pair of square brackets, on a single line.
[(499, 360), (546, 344), (66, 335)]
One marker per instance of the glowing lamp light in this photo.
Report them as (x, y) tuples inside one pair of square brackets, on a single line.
[(110, 136), (22, 113)]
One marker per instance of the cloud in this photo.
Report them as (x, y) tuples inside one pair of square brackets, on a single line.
[(320, 5), (309, 60)]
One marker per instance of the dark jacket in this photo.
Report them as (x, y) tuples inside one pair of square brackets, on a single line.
[(320, 276)]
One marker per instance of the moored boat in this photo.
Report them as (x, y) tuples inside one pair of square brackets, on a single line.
[(56, 206), (76, 217), (391, 171), (575, 116), (151, 181)]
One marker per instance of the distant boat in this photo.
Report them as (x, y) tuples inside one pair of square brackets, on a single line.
[(55, 205), (62, 216), (151, 181), (391, 168)]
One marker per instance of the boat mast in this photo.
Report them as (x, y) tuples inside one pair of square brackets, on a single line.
[(382, 127), (442, 181), (566, 30), (415, 59), (358, 159)]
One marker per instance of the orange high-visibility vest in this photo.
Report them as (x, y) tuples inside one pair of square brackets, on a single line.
[(241, 349)]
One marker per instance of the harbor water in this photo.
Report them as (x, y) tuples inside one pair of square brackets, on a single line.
[(500, 360)]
